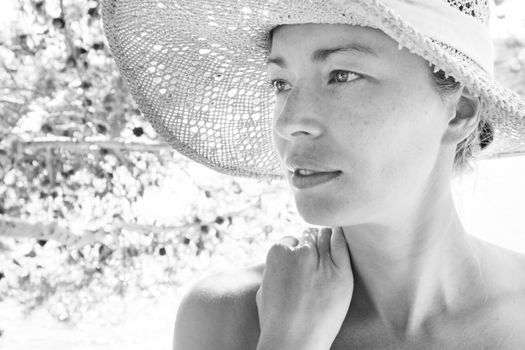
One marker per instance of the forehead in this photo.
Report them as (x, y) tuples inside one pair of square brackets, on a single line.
[(311, 36), (306, 44)]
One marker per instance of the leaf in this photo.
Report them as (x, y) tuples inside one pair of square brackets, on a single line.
[(86, 85), (59, 23), (108, 102), (79, 51), (31, 254), (98, 46), (138, 131), (46, 128), (102, 129), (71, 62), (86, 102), (104, 252), (93, 12)]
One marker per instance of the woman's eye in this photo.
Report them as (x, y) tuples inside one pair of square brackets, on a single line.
[(338, 76), (343, 76), (278, 85)]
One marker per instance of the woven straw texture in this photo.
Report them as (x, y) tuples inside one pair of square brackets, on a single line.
[(197, 72)]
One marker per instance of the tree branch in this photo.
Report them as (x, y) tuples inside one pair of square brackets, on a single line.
[(87, 145), (12, 101), (9, 71), (20, 228), (25, 228)]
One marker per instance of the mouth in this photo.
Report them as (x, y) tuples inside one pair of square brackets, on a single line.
[(304, 178)]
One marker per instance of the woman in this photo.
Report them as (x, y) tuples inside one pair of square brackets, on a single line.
[(376, 105)]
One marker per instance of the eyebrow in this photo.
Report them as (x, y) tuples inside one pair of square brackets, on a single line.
[(321, 55)]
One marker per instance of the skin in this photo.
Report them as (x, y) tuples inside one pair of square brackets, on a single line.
[(418, 277), (305, 293), (393, 136)]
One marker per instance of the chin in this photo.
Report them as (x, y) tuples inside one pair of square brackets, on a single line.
[(323, 209), (318, 211)]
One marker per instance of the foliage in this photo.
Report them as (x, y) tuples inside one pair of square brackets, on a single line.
[(76, 157), (66, 155)]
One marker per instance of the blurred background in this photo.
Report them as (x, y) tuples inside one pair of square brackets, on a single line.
[(103, 227)]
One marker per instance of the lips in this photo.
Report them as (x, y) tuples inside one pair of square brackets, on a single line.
[(307, 173), (309, 169), (300, 163), (302, 182)]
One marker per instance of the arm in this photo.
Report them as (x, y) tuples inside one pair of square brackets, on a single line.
[(283, 341), (305, 293), (205, 320)]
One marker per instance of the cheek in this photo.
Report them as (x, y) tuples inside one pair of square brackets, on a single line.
[(403, 120), (278, 143), (396, 138), (411, 154)]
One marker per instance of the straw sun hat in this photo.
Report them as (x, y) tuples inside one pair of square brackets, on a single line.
[(197, 69)]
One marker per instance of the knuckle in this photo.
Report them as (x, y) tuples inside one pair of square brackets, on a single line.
[(278, 250), (306, 250), (311, 233), (275, 249), (303, 248), (324, 237), (282, 245), (326, 232), (310, 238), (288, 241), (283, 250)]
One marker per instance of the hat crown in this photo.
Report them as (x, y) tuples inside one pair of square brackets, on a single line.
[(197, 69), (478, 9)]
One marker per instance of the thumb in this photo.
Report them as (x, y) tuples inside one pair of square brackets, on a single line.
[(339, 248), (258, 297)]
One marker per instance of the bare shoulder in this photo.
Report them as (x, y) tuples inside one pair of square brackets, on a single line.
[(219, 312), (502, 311), (505, 266)]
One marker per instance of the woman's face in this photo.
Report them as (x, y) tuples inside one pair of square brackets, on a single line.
[(352, 105)]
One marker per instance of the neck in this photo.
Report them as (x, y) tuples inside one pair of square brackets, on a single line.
[(416, 268)]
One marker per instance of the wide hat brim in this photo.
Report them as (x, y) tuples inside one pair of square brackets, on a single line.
[(198, 74)]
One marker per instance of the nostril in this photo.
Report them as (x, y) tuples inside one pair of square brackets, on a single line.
[(294, 123), (300, 133)]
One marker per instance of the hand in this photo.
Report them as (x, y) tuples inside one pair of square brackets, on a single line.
[(306, 288)]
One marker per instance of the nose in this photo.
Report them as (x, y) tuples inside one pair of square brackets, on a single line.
[(299, 115)]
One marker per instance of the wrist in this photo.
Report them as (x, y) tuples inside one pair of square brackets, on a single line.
[(285, 339)]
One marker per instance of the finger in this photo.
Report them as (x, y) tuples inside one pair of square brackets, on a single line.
[(309, 237), (258, 297), (288, 241), (339, 249), (284, 244), (323, 242)]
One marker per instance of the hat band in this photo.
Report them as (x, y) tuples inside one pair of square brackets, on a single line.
[(438, 20)]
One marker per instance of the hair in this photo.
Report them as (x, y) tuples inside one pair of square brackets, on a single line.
[(482, 136)]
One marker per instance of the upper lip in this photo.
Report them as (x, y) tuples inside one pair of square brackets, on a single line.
[(296, 162)]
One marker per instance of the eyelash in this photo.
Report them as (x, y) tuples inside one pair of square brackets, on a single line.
[(273, 81)]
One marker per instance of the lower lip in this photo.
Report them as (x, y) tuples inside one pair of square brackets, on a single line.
[(303, 182)]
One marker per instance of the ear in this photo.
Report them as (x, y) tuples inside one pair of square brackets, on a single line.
[(465, 119)]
